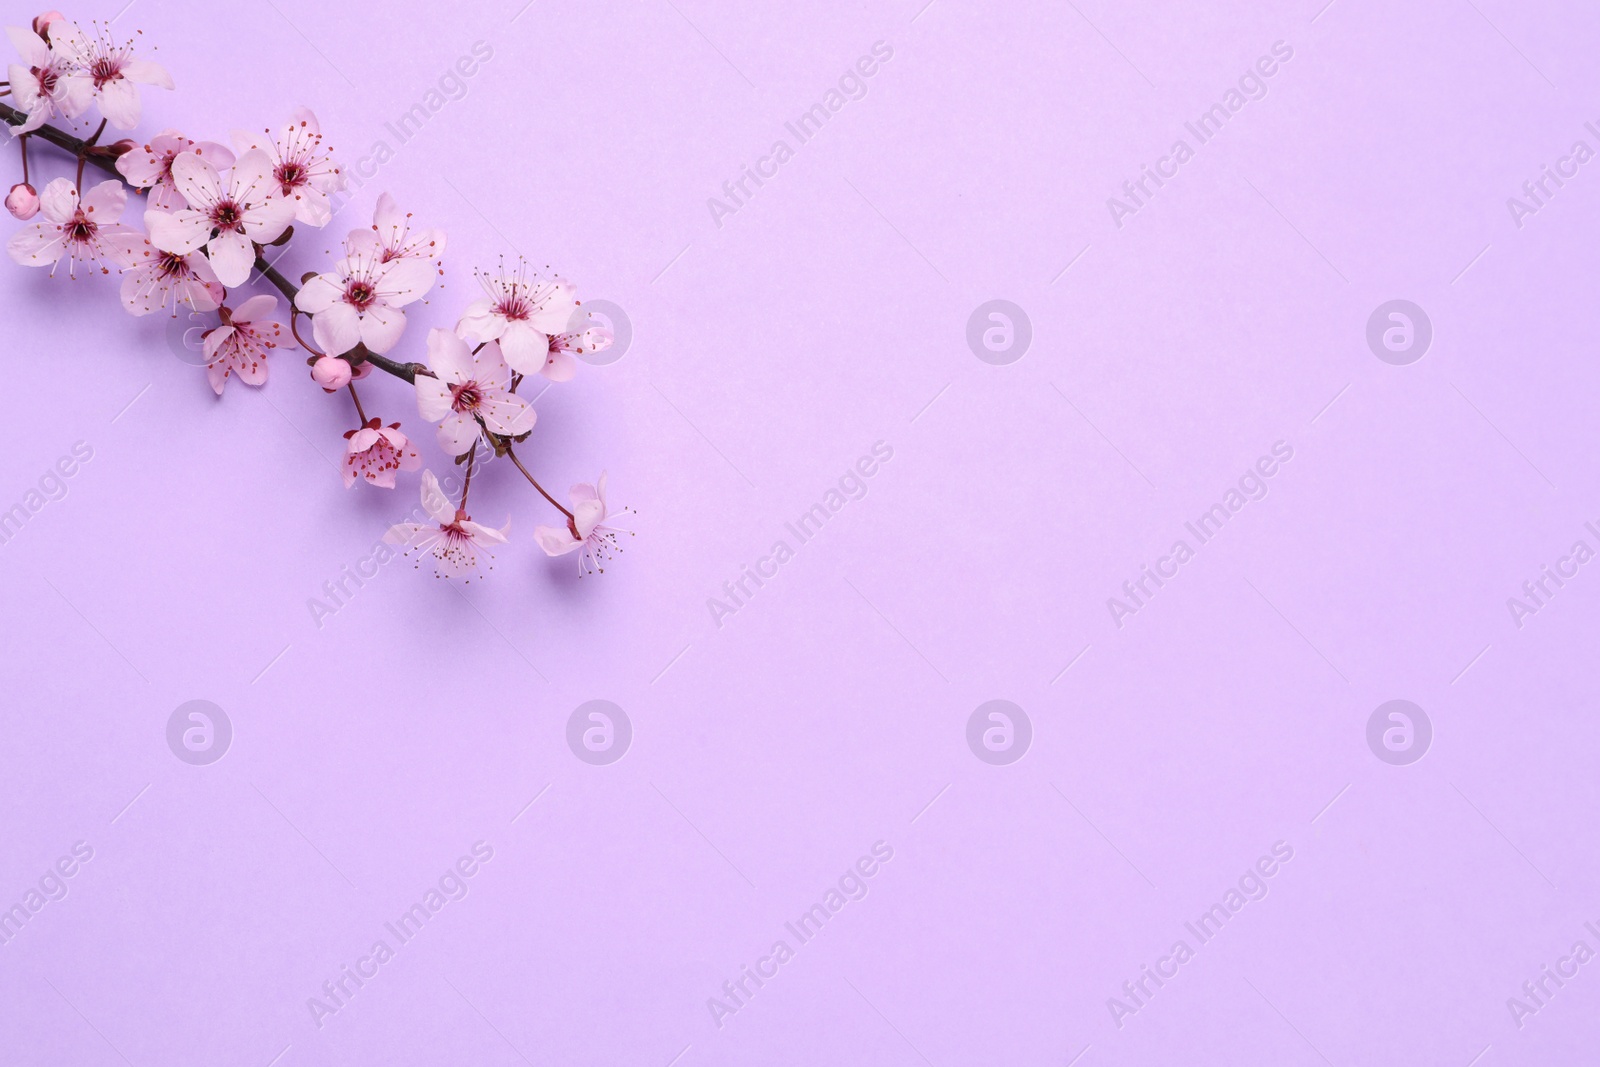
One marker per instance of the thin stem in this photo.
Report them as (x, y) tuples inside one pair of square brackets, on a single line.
[(83, 153), (536, 485), (294, 317), (24, 140), (466, 484), (360, 414)]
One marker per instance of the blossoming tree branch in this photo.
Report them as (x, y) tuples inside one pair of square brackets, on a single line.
[(210, 214)]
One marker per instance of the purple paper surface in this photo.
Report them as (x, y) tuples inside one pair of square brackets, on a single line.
[(980, 348)]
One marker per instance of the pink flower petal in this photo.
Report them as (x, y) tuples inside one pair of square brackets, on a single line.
[(405, 280), (434, 502), (104, 202), (479, 323), (449, 357), (433, 398), (381, 327), (265, 220), (232, 257), (319, 294), (180, 232), (39, 245), (525, 348), (555, 540), (148, 72), (256, 309), (119, 103), (196, 179), (457, 433), (337, 328), (507, 414), (59, 201)]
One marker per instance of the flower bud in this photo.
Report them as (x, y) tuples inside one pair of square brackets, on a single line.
[(331, 373), (42, 22), (22, 201)]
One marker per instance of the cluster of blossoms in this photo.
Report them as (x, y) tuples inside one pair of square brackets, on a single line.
[(209, 214)]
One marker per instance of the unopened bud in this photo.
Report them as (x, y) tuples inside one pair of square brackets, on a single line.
[(42, 22), (331, 373), (22, 201)]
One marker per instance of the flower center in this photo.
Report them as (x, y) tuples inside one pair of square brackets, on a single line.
[(513, 308), (80, 228), (226, 216), (465, 397), (291, 175), (105, 69), (172, 265), (360, 294)]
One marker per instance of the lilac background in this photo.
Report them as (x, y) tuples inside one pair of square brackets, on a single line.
[(769, 753)]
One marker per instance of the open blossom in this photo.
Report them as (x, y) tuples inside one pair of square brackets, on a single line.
[(560, 365), (81, 233), (359, 301), (227, 220), (471, 393), (150, 166), (240, 345), (107, 71), (394, 234), (301, 165), (162, 280), (39, 84), (375, 452), (452, 538), (521, 313), (586, 532)]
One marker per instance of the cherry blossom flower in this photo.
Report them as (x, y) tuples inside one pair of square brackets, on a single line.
[(166, 279), (452, 538), (394, 234), (559, 365), (40, 85), (150, 166), (301, 165), (225, 220), (586, 532), (359, 301), (83, 233), (107, 71), (471, 393), (520, 313), (240, 345), (376, 452)]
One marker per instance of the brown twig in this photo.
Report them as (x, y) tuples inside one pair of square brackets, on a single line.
[(532, 481)]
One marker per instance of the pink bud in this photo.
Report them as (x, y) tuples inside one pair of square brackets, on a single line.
[(43, 22), (331, 373), (22, 201)]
